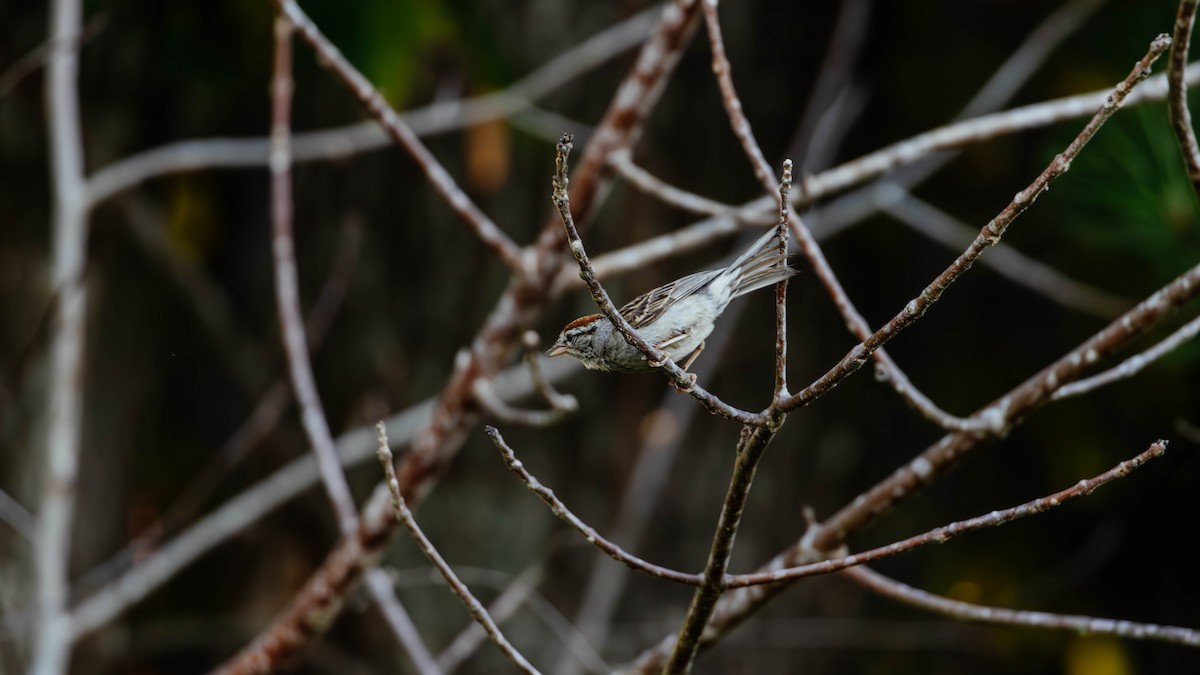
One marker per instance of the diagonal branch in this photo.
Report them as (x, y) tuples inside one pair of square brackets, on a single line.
[(559, 509), (487, 231), (941, 535), (1080, 625), (476, 609)]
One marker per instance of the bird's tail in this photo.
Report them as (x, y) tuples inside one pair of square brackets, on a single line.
[(761, 265)]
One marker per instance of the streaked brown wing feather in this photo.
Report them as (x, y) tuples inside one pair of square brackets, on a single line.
[(647, 307)]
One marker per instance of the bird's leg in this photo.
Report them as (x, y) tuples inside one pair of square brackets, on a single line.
[(693, 356)]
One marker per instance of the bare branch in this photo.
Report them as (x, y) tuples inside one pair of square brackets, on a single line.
[(942, 534), (346, 141), (622, 162), (563, 513), (38, 56), (17, 517), (379, 584), (988, 236), (1134, 364), (1080, 625), (1177, 106), (63, 423), (486, 397), (785, 187), (751, 447), (488, 232), (682, 380), (287, 285), (733, 105), (566, 403), (474, 607)]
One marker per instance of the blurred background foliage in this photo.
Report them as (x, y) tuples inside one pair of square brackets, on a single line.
[(169, 376)]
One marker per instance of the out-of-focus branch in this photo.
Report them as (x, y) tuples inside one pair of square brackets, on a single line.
[(1080, 625), (64, 389), (1007, 261), (16, 516), (342, 142), (379, 584), (1177, 106), (474, 607), (1134, 364), (622, 162), (558, 401), (38, 56), (287, 286), (941, 535)]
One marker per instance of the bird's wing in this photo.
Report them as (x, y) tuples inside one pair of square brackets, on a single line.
[(647, 307)]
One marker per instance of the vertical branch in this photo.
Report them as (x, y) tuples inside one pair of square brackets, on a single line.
[(52, 647), (785, 187), (750, 450), (1177, 106), (287, 285)]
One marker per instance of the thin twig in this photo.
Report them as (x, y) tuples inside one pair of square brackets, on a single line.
[(474, 607), (52, 645), (566, 403), (683, 381), (259, 423), (942, 534), (785, 187), (622, 162), (517, 593), (487, 231), (1177, 105), (563, 513), (379, 583), (1134, 364), (39, 55), (287, 287), (988, 236), (486, 397), (1080, 625)]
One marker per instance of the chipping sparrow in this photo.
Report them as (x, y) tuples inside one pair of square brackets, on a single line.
[(676, 317)]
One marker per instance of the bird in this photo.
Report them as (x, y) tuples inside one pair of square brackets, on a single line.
[(675, 317)]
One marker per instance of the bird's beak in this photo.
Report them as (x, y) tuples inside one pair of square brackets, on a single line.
[(557, 350)]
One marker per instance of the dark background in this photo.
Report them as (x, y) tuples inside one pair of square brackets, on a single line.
[(164, 388)]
